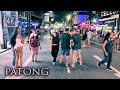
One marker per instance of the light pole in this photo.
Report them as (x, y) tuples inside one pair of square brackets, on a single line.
[(118, 22), (28, 21), (68, 19)]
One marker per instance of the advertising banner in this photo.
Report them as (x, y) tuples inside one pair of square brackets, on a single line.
[(10, 21)]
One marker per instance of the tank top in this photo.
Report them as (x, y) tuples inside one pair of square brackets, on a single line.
[(109, 46), (55, 40)]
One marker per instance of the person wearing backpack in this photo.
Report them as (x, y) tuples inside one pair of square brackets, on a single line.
[(34, 45)]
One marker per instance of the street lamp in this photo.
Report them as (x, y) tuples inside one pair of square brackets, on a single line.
[(68, 17)]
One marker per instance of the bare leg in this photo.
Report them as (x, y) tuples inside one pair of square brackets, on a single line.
[(61, 58), (33, 53), (20, 55), (67, 60), (36, 54), (17, 58), (80, 56)]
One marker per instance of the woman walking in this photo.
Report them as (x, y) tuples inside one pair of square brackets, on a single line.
[(18, 46), (54, 46), (84, 38), (107, 49), (117, 42), (34, 45)]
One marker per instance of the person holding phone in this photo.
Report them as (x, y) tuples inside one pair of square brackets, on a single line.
[(107, 49)]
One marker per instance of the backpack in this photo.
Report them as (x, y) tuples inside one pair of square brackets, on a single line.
[(34, 42)]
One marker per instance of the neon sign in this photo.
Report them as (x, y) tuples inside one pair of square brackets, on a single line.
[(107, 13)]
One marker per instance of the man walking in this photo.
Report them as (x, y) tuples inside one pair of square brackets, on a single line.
[(65, 47), (76, 48)]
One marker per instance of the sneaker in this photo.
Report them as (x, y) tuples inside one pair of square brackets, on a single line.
[(60, 64), (53, 63), (109, 69), (35, 60), (68, 69), (13, 67), (73, 66), (98, 65), (80, 63), (76, 61)]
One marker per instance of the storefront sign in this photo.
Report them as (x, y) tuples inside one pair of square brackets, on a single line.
[(10, 21), (107, 13), (46, 17)]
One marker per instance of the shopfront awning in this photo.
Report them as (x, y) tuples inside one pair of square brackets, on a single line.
[(110, 18)]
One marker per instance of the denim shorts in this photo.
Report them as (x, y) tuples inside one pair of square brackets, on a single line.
[(65, 52)]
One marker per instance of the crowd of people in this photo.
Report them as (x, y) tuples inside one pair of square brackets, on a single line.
[(73, 39), (67, 39)]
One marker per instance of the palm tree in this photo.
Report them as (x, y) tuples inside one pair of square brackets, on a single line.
[(90, 13)]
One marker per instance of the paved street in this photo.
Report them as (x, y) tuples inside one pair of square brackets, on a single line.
[(88, 70)]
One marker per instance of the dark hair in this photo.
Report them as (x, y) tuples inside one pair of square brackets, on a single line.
[(13, 37), (106, 37), (118, 35), (66, 29)]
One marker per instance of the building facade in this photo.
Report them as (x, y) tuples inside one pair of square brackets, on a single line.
[(110, 19)]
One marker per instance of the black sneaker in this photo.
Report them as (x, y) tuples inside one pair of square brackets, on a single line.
[(32, 60), (60, 64), (109, 69), (98, 65)]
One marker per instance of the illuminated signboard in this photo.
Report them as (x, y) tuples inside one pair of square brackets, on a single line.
[(46, 17), (10, 21), (107, 13)]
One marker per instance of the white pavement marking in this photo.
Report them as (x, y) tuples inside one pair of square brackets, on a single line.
[(117, 73), (5, 52), (24, 65)]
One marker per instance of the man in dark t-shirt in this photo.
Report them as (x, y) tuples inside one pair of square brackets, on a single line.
[(65, 47), (76, 48)]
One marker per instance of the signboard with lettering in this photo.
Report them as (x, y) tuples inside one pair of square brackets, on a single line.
[(46, 17), (107, 13), (10, 21)]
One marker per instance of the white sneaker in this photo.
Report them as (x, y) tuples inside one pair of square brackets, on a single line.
[(13, 67), (68, 69), (53, 63), (80, 63), (73, 66)]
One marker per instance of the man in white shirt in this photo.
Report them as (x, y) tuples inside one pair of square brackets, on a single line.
[(89, 34)]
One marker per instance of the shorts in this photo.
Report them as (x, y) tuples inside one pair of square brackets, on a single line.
[(76, 51), (65, 52)]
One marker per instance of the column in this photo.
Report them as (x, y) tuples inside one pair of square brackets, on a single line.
[(28, 21), (1, 33)]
